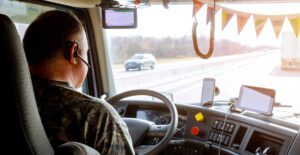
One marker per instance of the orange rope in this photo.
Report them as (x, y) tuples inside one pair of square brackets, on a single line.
[(212, 32)]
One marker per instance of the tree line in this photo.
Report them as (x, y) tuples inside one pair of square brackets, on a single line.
[(169, 47)]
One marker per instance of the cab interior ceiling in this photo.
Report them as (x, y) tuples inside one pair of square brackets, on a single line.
[(93, 3)]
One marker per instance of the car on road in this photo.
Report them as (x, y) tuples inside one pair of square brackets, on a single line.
[(140, 61)]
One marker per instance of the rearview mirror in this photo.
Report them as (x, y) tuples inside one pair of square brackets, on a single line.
[(116, 18)]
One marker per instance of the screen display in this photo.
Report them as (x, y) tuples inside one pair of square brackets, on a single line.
[(119, 18), (256, 99), (208, 90)]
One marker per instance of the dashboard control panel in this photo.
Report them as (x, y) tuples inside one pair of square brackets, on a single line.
[(221, 132), (201, 130)]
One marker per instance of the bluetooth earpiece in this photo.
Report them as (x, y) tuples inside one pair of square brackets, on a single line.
[(68, 47)]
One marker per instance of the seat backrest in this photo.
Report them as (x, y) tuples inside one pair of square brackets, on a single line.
[(22, 130)]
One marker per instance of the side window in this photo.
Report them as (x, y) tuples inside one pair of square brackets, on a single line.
[(21, 13)]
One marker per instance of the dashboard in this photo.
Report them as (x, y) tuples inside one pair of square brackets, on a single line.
[(218, 131)]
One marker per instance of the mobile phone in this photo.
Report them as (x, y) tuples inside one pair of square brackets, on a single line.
[(208, 91)]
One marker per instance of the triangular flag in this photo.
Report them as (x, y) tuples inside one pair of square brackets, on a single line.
[(241, 21), (277, 25), (226, 16), (197, 6), (259, 24), (295, 22), (209, 12)]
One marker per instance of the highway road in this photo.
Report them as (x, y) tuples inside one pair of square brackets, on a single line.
[(184, 79)]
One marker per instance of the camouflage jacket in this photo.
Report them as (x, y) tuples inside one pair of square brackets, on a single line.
[(69, 115)]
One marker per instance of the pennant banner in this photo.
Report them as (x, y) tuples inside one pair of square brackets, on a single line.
[(241, 22), (197, 6), (259, 23), (277, 25), (296, 25), (243, 17), (226, 16)]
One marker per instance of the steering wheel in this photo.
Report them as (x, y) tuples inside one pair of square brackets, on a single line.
[(139, 128)]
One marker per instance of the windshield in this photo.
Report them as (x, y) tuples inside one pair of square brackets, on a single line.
[(251, 48)]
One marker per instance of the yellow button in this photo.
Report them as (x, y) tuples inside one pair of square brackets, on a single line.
[(199, 117)]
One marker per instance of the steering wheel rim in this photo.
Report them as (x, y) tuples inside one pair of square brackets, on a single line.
[(171, 127)]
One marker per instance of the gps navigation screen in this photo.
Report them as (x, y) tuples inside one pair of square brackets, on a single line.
[(256, 99), (119, 18)]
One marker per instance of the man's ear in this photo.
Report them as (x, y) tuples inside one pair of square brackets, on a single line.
[(70, 52)]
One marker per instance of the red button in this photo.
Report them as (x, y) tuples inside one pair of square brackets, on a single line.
[(195, 131)]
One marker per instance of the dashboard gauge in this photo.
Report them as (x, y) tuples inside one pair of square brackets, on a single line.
[(160, 117)]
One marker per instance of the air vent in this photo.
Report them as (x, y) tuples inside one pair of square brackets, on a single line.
[(239, 137), (264, 141)]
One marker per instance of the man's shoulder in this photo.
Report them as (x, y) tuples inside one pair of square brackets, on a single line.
[(62, 91), (55, 91)]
